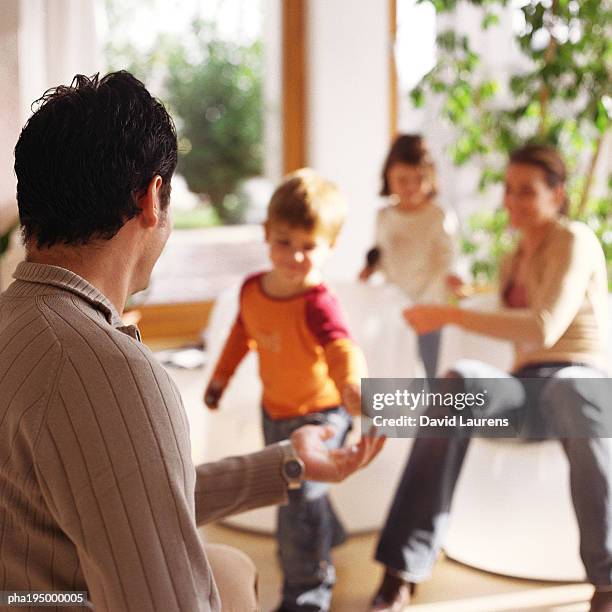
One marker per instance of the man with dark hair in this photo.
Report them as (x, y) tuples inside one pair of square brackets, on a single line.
[(93, 147), (98, 490)]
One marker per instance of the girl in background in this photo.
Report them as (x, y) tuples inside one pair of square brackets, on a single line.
[(414, 235)]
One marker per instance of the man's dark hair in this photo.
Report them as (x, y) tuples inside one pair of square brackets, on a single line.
[(87, 154)]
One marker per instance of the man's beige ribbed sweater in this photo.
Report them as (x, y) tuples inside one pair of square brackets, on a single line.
[(97, 488)]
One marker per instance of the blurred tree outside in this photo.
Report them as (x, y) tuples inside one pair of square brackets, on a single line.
[(562, 96), (212, 86), (217, 94)]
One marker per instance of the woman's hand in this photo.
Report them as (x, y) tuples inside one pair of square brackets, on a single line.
[(426, 318)]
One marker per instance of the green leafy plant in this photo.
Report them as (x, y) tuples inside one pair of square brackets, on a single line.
[(8, 225), (5, 243), (562, 97), (216, 91), (5, 240)]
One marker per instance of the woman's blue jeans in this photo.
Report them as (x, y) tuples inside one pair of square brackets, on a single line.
[(307, 527), (429, 349), (569, 407)]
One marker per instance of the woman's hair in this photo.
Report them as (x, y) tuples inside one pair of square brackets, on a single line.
[(409, 149), (549, 160)]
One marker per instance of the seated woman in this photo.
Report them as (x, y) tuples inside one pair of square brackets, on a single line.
[(554, 291)]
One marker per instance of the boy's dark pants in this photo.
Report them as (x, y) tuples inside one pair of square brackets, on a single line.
[(307, 526)]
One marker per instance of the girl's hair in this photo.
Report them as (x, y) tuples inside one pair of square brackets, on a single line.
[(409, 149), (549, 160)]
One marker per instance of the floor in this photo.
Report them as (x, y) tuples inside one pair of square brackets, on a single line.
[(453, 587)]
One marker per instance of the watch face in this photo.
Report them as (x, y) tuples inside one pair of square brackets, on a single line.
[(293, 469)]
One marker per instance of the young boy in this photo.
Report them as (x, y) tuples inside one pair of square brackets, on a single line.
[(309, 366)]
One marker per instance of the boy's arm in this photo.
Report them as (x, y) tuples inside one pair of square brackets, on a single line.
[(236, 347), (345, 360), (347, 366)]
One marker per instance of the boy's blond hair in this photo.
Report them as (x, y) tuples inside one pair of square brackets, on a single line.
[(307, 201)]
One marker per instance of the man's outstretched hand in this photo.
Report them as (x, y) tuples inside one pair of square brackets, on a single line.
[(323, 464)]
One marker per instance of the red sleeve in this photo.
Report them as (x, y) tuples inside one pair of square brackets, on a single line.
[(324, 316), (325, 320)]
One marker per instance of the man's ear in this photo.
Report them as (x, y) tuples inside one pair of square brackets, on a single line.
[(150, 203), (266, 229)]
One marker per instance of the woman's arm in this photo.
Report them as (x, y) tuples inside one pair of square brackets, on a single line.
[(506, 324), (555, 302)]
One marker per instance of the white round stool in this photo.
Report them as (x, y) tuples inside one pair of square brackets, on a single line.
[(512, 512)]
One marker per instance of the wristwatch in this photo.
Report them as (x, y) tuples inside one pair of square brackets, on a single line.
[(292, 467)]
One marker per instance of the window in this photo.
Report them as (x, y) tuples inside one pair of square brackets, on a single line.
[(216, 66)]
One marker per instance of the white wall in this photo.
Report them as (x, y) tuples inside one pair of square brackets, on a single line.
[(58, 39), (348, 113), (272, 90), (42, 43), (10, 125), (9, 103)]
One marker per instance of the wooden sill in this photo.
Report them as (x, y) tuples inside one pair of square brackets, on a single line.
[(181, 322)]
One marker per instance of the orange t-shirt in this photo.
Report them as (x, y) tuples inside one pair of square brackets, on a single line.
[(306, 355)]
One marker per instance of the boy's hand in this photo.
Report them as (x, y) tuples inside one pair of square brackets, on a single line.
[(323, 464), (351, 398), (213, 394)]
